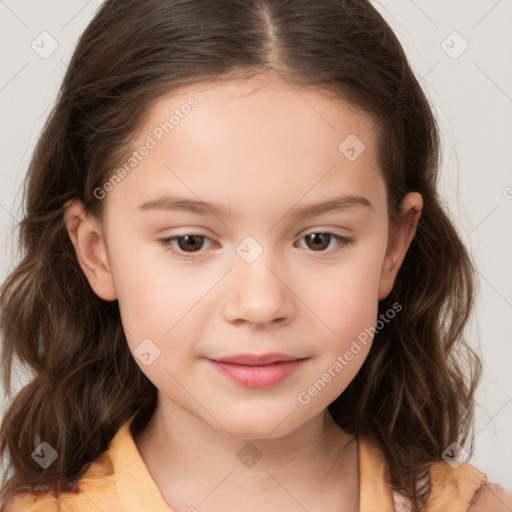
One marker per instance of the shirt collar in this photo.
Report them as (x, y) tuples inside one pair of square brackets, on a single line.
[(135, 486), (375, 491)]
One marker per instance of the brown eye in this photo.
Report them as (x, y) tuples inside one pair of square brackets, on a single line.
[(190, 243), (318, 241), (186, 245)]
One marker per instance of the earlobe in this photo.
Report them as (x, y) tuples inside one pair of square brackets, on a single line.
[(87, 238), (400, 240)]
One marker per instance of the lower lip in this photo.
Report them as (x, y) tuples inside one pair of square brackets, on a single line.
[(258, 376)]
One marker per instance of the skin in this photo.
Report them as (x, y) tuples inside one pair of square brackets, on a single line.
[(262, 149)]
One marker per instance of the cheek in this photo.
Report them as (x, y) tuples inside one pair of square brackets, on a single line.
[(345, 300), (344, 296), (348, 310), (156, 298)]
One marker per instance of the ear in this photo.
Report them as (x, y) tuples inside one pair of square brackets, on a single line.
[(400, 239), (87, 238)]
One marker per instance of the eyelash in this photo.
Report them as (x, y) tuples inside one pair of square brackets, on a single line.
[(166, 243)]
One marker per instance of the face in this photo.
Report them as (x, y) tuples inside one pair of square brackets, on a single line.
[(262, 274)]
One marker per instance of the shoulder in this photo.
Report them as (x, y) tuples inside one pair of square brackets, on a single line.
[(31, 503), (96, 487), (466, 487), (98, 481), (91, 496), (491, 498)]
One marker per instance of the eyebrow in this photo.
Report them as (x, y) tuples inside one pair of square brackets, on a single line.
[(205, 207)]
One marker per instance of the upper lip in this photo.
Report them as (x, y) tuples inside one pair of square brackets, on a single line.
[(256, 359)]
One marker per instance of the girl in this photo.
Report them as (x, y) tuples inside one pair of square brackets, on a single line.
[(193, 349)]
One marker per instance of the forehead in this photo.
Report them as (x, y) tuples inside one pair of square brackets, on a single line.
[(264, 104), (259, 139)]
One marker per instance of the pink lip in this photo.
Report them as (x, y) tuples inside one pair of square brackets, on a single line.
[(256, 359), (257, 371)]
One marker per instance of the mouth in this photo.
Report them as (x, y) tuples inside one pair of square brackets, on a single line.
[(258, 370), (257, 359)]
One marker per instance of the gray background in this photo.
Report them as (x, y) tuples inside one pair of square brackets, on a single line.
[(471, 91)]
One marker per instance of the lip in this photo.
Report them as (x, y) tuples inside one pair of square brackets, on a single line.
[(256, 359), (257, 371)]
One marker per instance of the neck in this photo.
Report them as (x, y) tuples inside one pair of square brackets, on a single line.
[(187, 458)]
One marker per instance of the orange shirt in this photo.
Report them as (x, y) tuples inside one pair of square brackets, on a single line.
[(119, 481)]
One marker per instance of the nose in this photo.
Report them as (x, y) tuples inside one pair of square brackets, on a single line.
[(258, 293)]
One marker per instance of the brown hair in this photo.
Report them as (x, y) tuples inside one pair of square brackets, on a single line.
[(414, 393)]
